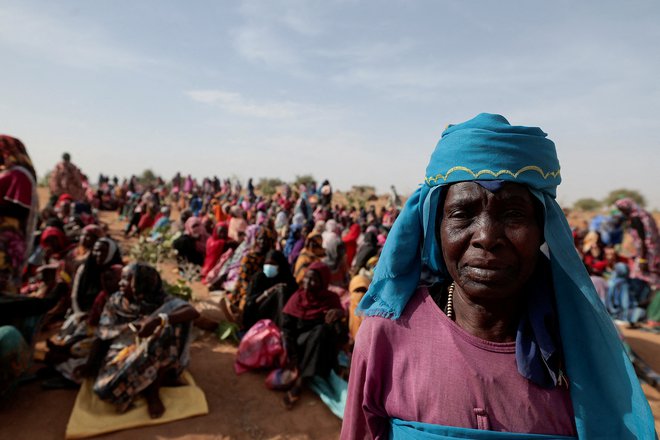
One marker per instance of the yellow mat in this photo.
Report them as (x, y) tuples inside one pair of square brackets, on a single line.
[(91, 416)]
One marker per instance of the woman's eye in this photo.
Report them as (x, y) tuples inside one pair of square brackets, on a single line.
[(516, 215), (459, 214)]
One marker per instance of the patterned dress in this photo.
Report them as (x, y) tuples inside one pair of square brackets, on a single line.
[(131, 364), (646, 239)]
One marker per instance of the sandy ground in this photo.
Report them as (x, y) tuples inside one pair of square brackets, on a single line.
[(240, 406)]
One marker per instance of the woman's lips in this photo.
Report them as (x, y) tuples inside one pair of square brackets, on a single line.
[(486, 273)]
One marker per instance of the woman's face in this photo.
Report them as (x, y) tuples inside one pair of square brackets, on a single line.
[(100, 252), (51, 245), (208, 226), (261, 244), (312, 281), (196, 230), (316, 247), (126, 281), (87, 240), (490, 241)]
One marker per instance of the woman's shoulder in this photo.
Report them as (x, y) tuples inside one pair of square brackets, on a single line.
[(17, 186), (420, 316)]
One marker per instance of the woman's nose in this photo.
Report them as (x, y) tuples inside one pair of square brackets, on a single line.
[(488, 233)]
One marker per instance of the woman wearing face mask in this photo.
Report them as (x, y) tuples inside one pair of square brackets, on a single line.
[(253, 261), (269, 290)]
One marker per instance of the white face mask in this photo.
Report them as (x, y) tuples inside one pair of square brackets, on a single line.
[(271, 270)]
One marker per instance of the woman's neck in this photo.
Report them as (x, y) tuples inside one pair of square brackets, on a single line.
[(492, 320)]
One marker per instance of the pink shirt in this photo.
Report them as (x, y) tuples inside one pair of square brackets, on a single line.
[(423, 367)]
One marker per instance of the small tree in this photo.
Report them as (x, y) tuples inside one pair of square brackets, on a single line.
[(587, 204), (622, 193), (148, 177), (305, 179), (268, 185), (364, 189)]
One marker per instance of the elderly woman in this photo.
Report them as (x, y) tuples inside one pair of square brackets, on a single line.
[(471, 329)]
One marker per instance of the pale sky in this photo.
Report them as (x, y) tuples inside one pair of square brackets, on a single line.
[(354, 91)]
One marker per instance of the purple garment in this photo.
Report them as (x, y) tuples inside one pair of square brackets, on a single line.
[(601, 286), (295, 252), (423, 367)]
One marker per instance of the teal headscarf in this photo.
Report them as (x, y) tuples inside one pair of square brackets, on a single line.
[(607, 399)]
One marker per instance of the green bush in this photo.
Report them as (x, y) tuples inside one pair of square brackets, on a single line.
[(587, 204), (305, 179), (622, 193), (269, 185), (152, 252), (180, 288)]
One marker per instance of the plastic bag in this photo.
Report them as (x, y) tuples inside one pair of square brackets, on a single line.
[(260, 348)]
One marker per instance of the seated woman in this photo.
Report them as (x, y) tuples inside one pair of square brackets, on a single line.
[(87, 282), (269, 290), (368, 249), (190, 246), (292, 238), (88, 237), (335, 259), (55, 252), (298, 242), (312, 329), (481, 321), (312, 252), (69, 348), (162, 225), (142, 341), (252, 262), (216, 245)]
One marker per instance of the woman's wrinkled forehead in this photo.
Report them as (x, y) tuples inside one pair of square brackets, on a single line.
[(510, 192)]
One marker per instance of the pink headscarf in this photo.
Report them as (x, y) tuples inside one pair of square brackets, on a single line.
[(195, 229)]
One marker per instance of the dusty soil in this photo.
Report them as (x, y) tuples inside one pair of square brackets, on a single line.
[(240, 406)]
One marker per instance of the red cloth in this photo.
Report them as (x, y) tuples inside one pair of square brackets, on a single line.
[(52, 231), (16, 187), (350, 242), (64, 198), (215, 247), (147, 221), (309, 306)]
